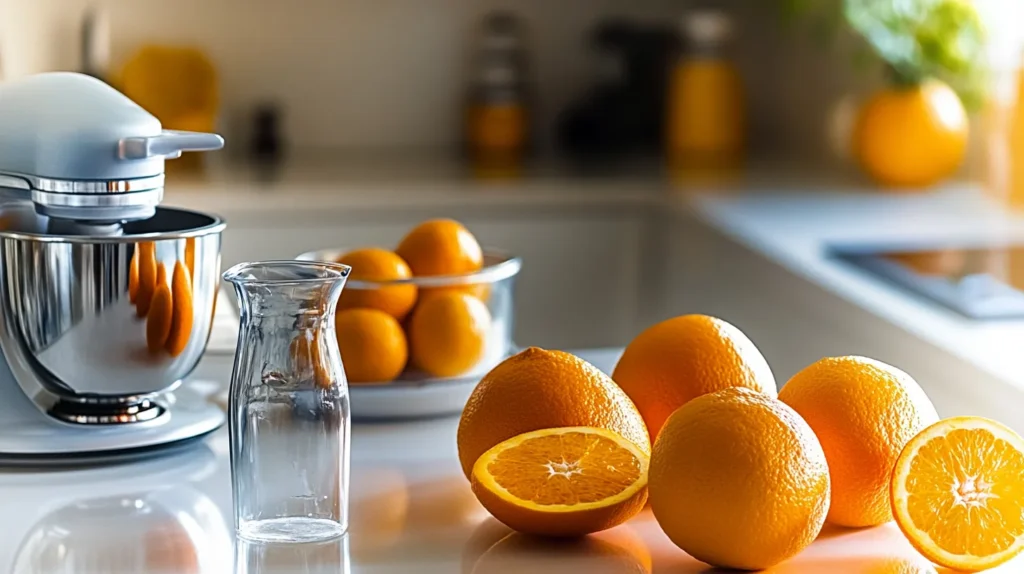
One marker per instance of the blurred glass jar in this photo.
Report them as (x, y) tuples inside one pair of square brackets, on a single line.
[(497, 114), (289, 417), (1000, 137), (706, 105)]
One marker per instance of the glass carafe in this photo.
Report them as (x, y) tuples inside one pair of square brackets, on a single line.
[(288, 403)]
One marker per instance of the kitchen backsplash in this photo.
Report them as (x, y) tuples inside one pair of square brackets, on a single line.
[(390, 73)]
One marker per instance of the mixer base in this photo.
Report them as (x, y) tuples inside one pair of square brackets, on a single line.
[(86, 458), (30, 437)]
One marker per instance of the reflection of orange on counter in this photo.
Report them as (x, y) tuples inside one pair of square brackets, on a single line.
[(619, 550), (378, 517)]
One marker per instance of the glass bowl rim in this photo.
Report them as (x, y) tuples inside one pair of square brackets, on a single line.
[(504, 265)]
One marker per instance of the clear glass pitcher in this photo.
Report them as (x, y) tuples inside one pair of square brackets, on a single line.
[(288, 403)]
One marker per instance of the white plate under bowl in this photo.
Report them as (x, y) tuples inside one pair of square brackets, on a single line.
[(415, 395), (400, 401), (412, 399)]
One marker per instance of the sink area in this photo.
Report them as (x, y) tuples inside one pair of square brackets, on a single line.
[(980, 281)]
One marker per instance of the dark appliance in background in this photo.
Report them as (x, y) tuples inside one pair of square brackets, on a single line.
[(267, 145), (623, 113), (94, 51)]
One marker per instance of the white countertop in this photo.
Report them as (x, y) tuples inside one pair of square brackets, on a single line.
[(412, 511)]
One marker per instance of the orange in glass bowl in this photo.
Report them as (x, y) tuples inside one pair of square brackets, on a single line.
[(459, 328)]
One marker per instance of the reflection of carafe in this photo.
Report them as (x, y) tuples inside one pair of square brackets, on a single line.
[(331, 557), (149, 519)]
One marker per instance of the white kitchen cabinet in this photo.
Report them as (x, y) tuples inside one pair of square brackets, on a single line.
[(714, 275), (579, 286)]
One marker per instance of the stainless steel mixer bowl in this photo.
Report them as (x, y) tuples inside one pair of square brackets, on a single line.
[(68, 317)]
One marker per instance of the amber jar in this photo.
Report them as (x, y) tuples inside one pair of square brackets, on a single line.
[(497, 116), (706, 120)]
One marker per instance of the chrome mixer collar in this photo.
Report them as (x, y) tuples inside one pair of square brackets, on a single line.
[(80, 150)]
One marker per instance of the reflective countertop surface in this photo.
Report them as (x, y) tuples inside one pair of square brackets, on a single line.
[(412, 511)]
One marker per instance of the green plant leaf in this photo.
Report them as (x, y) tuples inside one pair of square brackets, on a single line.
[(921, 39), (915, 39)]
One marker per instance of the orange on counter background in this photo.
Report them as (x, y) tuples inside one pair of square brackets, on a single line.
[(177, 84)]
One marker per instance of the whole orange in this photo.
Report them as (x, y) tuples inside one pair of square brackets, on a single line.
[(372, 344), (448, 333), (911, 136), (372, 264), (864, 412), (683, 358), (738, 480), (441, 247), (538, 389)]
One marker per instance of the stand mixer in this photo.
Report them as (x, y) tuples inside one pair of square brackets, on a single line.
[(106, 299)]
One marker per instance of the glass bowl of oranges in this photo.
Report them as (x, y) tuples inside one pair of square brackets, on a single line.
[(418, 325)]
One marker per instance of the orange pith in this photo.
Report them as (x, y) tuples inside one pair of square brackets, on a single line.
[(564, 481), (958, 493)]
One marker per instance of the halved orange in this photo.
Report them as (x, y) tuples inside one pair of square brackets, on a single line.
[(957, 493), (566, 481)]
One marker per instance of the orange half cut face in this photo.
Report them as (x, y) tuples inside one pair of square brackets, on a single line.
[(562, 481), (957, 493)]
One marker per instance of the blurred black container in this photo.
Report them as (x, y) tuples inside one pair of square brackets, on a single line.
[(267, 146), (623, 113)]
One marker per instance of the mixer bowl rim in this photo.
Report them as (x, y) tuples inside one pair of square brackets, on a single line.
[(216, 225)]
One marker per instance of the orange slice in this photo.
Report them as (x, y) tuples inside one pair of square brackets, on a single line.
[(147, 277), (563, 481), (957, 493), (161, 312), (133, 277), (181, 316)]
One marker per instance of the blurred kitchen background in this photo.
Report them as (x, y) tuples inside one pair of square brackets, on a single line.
[(386, 74), (826, 175)]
